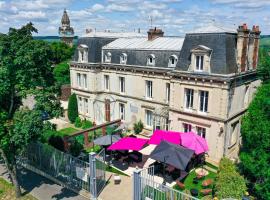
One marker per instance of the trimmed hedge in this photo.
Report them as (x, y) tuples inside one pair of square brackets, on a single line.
[(72, 108)]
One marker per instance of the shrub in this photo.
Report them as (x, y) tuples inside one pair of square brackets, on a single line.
[(229, 183), (72, 108), (86, 124), (75, 148), (78, 122), (57, 142), (138, 127)]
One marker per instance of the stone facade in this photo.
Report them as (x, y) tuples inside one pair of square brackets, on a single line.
[(66, 32), (201, 94)]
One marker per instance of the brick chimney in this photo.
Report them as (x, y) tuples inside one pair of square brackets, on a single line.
[(253, 48), (242, 47), (154, 33)]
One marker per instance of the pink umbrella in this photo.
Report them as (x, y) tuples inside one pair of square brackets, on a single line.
[(128, 143), (195, 142), (169, 136)]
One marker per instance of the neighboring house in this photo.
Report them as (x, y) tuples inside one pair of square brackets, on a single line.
[(202, 83)]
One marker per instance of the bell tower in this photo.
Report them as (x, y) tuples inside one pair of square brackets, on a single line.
[(66, 32)]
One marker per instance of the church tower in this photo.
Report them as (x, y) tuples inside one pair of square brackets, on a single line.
[(66, 33)]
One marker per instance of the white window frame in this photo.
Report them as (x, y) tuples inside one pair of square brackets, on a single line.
[(122, 88), (201, 131), (123, 58), (148, 89), (204, 99), (199, 62), (86, 105), (173, 61), (189, 98), (106, 82), (151, 60), (149, 118), (108, 57), (187, 127), (168, 92), (84, 79), (79, 81), (80, 104), (83, 53), (122, 113)]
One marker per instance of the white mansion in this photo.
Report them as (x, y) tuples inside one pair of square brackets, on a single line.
[(202, 82)]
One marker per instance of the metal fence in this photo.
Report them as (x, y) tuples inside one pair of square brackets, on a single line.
[(145, 188), (70, 171)]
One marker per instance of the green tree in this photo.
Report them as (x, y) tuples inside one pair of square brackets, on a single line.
[(72, 108), (61, 52), (255, 151), (264, 64), (229, 183), (25, 69), (61, 73)]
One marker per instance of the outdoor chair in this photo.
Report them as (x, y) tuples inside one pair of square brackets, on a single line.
[(206, 191), (207, 182), (180, 185)]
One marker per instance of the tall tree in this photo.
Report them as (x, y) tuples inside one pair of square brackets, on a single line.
[(25, 69), (72, 108)]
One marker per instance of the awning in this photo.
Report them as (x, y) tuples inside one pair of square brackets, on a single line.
[(107, 140), (195, 142), (129, 143), (148, 149), (170, 136), (172, 154)]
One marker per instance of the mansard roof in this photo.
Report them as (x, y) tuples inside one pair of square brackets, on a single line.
[(223, 51)]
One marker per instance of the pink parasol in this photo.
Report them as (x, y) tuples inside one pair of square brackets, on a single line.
[(169, 136), (128, 143), (195, 142)]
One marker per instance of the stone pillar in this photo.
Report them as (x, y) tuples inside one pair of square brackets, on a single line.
[(257, 33), (92, 176), (85, 137), (137, 185), (103, 130)]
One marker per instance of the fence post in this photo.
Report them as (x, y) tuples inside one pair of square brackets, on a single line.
[(92, 176), (137, 184)]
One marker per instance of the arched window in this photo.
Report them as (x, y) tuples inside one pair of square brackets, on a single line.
[(108, 57), (123, 58), (151, 60), (172, 61), (83, 53)]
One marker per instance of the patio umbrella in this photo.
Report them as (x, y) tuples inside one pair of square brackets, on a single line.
[(195, 142), (128, 143), (107, 140), (170, 136), (172, 154)]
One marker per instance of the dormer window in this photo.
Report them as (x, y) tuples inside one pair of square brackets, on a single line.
[(83, 53), (200, 59), (108, 57), (123, 58), (199, 63), (151, 60), (172, 61)]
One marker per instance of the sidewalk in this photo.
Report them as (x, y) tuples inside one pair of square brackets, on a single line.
[(40, 187)]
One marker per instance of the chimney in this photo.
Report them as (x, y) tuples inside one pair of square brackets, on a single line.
[(242, 47), (257, 32), (154, 33)]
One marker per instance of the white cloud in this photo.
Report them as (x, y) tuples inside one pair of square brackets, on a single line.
[(97, 7), (118, 8), (30, 15)]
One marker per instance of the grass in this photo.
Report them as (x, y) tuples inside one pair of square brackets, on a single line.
[(189, 181), (67, 131), (7, 192), (114, 170)]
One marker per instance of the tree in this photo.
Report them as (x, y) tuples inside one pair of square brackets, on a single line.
[(72, 108), (61, 73), (229, 183), (61, 52), (255, 151), (264, 64), (25, 69)]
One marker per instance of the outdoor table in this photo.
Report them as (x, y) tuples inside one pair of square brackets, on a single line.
[(194, 192)]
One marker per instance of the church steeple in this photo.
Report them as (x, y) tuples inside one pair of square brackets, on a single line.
[(66, 32)]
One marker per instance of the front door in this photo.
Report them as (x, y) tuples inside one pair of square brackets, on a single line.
[(107, 110)]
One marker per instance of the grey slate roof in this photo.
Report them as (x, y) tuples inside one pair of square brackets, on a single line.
[(223, 45), (94, 47), (139, 57)]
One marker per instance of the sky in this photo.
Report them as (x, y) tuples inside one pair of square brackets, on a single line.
[(175, 17)]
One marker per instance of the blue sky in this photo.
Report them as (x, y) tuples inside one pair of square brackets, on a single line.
[(175, 17)]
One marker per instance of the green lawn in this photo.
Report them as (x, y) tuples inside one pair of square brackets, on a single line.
[(189, 181), (7, 192), (67, 131), (114, 170)]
